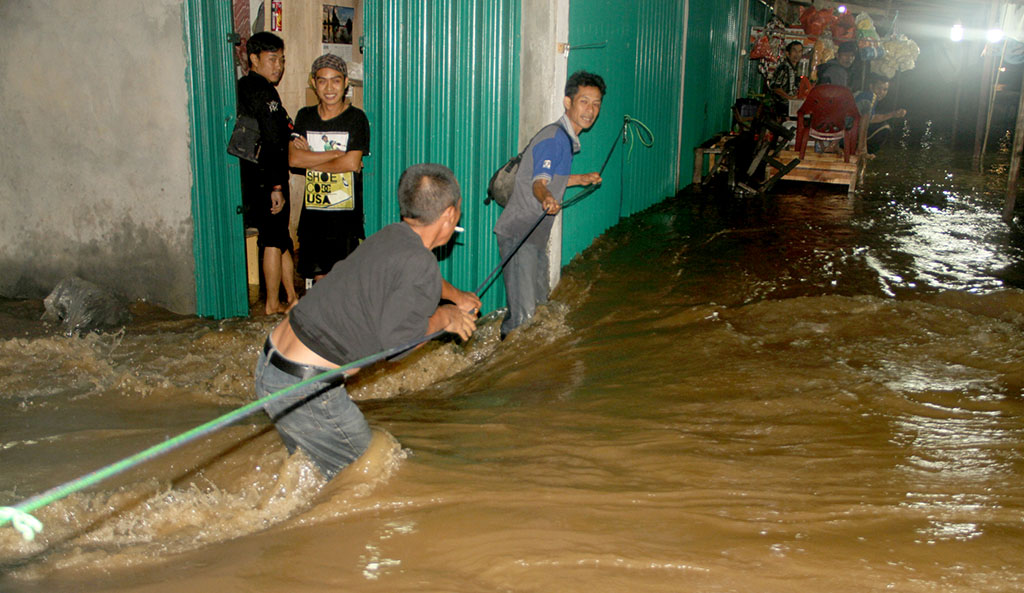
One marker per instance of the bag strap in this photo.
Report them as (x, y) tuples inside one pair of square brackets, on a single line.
[(519, 156)]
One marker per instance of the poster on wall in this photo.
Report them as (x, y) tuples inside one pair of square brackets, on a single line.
[(275, 16), (337, 30)]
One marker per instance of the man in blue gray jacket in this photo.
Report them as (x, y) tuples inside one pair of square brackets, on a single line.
[(544, 174)]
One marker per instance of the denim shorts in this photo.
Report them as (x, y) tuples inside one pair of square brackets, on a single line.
[(319, 418)]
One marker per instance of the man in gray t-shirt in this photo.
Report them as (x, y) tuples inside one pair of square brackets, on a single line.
[(387, 293)]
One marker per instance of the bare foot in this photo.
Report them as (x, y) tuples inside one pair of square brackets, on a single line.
[(274, 309)]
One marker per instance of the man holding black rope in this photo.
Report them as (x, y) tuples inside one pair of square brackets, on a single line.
[(541, 181)]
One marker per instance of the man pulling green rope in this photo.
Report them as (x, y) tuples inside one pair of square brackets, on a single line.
[(430, 202), (384, 294), (459, 319)]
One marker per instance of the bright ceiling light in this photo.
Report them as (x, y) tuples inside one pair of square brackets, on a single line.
[(841, 9), (957, 33), (994, 35)]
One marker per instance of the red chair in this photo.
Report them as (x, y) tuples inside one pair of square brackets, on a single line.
[(829, 113)]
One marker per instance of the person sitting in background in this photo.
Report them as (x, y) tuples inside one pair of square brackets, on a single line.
[(837, 70), (785, 82), (879, 129)]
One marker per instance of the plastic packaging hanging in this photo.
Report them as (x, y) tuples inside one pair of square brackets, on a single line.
[(900, 55), (824, 50), (866, 27), (773, 35), (815, 22), (843, 29), (762, 48)]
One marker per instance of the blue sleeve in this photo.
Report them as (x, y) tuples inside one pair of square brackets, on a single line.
[(865, 103), (552, 156)]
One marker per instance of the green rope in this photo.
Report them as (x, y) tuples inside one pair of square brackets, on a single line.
[(29, 525), (18, 514), (25, 523), (635, 128), (632, 130)]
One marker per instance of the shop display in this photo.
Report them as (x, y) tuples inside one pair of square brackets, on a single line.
[(816, 21), (900, 55)]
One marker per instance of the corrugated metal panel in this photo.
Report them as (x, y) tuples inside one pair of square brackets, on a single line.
[(650, 174), (592, 22), (442, 85), (218, 243), (712, 49), (641, 64)]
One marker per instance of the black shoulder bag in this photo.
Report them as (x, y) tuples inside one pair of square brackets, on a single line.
[(245, 139), (499, 188)]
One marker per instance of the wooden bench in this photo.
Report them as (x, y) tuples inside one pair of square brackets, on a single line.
[(711, 148)]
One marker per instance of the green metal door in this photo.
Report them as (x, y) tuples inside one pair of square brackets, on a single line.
[(442, 85), (218, 242), (713, 45), (637, 48)]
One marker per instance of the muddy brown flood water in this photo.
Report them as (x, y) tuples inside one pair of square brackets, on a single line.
[(806, 393)]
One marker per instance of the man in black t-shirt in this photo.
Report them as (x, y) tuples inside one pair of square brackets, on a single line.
[(387, 293), (265, 183), (329, 142)]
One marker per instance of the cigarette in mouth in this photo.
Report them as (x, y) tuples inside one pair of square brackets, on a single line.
[(459, 229)]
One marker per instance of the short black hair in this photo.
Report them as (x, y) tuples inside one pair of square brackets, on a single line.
[(263, 41), (847, 47), (581, 78), (426, 190), (793, 44), (876, 78)]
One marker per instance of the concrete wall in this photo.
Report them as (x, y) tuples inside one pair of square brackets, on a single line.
[(94, 156), (542, 68)]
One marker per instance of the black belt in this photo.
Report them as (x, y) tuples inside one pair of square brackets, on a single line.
[(295, 369)]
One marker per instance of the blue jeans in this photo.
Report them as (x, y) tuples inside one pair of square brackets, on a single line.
[(319, 418)]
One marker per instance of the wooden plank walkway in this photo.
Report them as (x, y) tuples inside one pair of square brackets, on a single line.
[(815, 167), (823, 168)]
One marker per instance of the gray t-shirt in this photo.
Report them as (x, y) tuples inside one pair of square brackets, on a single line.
[(548, 156), (379, 297)]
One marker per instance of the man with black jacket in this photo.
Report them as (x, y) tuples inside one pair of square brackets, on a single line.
[(265, 182)]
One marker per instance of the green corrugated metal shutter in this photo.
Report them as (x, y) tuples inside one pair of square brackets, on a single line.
[(651, 174), (442, 85), (614, 23), (641, 63), (218, 243), (713, 47)]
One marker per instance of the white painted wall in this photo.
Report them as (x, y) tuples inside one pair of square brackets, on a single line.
[(94, 156)]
